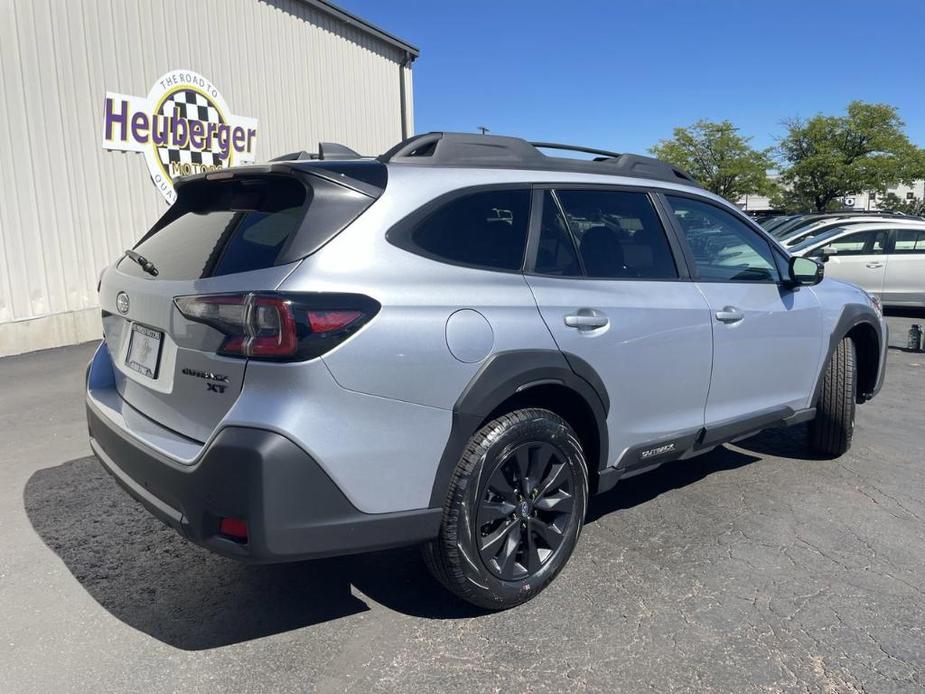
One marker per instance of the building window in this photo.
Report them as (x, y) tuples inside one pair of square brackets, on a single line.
[(910, 195)]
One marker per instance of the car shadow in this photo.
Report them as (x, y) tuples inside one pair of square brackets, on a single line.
[(674, 475), (152, 579), (784, 442)]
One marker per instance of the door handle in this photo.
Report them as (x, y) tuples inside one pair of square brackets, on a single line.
[(874, 266), (584, 319), (729, 314)]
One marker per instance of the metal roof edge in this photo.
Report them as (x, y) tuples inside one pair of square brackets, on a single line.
[(363, 25)]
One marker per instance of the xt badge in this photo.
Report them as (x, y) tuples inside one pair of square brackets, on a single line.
[(209, 377)]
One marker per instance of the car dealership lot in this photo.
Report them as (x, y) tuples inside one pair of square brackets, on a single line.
[(749, 568)]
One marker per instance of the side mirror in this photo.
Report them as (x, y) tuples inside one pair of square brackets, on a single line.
[(827, 252), (805, 272)]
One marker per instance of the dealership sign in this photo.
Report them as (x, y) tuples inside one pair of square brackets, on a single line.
[(182, 127)]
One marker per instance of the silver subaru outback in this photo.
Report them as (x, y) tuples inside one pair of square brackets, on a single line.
[(453, 345)]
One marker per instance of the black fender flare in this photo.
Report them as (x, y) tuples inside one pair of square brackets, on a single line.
[(851, 317), (505, 374)]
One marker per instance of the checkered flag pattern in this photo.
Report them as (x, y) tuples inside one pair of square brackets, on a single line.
[(192, 106)]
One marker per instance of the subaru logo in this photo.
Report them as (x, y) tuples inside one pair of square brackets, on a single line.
[(122, 302)]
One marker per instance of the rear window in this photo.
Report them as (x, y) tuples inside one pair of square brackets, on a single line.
[(247, 223), (487, 229)]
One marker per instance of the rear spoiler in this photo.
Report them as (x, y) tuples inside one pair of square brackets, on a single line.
[(288, 167)]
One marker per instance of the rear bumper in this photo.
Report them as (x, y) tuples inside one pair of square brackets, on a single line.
[(292, 508)]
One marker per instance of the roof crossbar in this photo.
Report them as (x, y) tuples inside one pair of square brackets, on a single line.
[(576, 148)]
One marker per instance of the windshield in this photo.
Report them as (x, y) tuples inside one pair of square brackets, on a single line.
[(797, 224), (774, 222)]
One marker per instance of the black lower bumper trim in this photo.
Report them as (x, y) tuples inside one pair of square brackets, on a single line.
[(293, 509)]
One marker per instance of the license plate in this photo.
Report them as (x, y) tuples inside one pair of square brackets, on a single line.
[(144, 350)]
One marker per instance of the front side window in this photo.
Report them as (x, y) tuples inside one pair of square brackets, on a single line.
[(487, 229), (618, 234), (910, 241), (861, 243), (725, 249)]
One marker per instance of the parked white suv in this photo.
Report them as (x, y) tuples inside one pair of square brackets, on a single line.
[(791, 239), (885, 258)]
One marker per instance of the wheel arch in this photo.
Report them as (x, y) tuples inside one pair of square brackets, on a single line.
[(507, 381), (862, 324), (867, 355)]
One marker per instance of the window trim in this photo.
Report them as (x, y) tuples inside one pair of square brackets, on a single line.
[(674, 246), (778, 254), (399, 234), (536, 225)]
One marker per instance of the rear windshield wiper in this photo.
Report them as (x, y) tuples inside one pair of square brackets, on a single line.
[(146, 264)]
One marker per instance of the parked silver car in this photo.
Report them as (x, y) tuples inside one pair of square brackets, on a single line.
[(453, 344), (885, 258)]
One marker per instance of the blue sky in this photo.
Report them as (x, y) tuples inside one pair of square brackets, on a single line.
[(620, 75)]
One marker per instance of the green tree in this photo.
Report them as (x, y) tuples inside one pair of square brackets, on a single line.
[(720, 159), (828, 157), (892, 202)]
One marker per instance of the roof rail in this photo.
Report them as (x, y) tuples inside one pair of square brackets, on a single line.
[(326, 151), (496, 151)]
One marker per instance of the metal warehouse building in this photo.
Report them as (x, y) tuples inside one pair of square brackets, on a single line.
[(86, 159)]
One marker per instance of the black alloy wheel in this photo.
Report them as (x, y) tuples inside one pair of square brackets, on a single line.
[(525, 510), (513, 512)]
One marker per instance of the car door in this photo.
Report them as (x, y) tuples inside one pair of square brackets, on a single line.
[(858, 258), (904, 279), (606, 283), (767, 338)]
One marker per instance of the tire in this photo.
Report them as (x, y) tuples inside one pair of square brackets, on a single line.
[(505, 535), (833, 426)]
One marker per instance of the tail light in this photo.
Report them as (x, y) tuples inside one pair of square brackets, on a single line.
[(279, 327)]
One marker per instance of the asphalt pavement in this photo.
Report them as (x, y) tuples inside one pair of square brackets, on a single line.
[(753, 568)]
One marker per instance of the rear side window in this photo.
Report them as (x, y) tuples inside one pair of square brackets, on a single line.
[(487, 229), (222, 227), (618, 234), (910, 241)]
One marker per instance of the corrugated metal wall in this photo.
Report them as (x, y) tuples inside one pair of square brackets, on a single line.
[(68, 207)]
